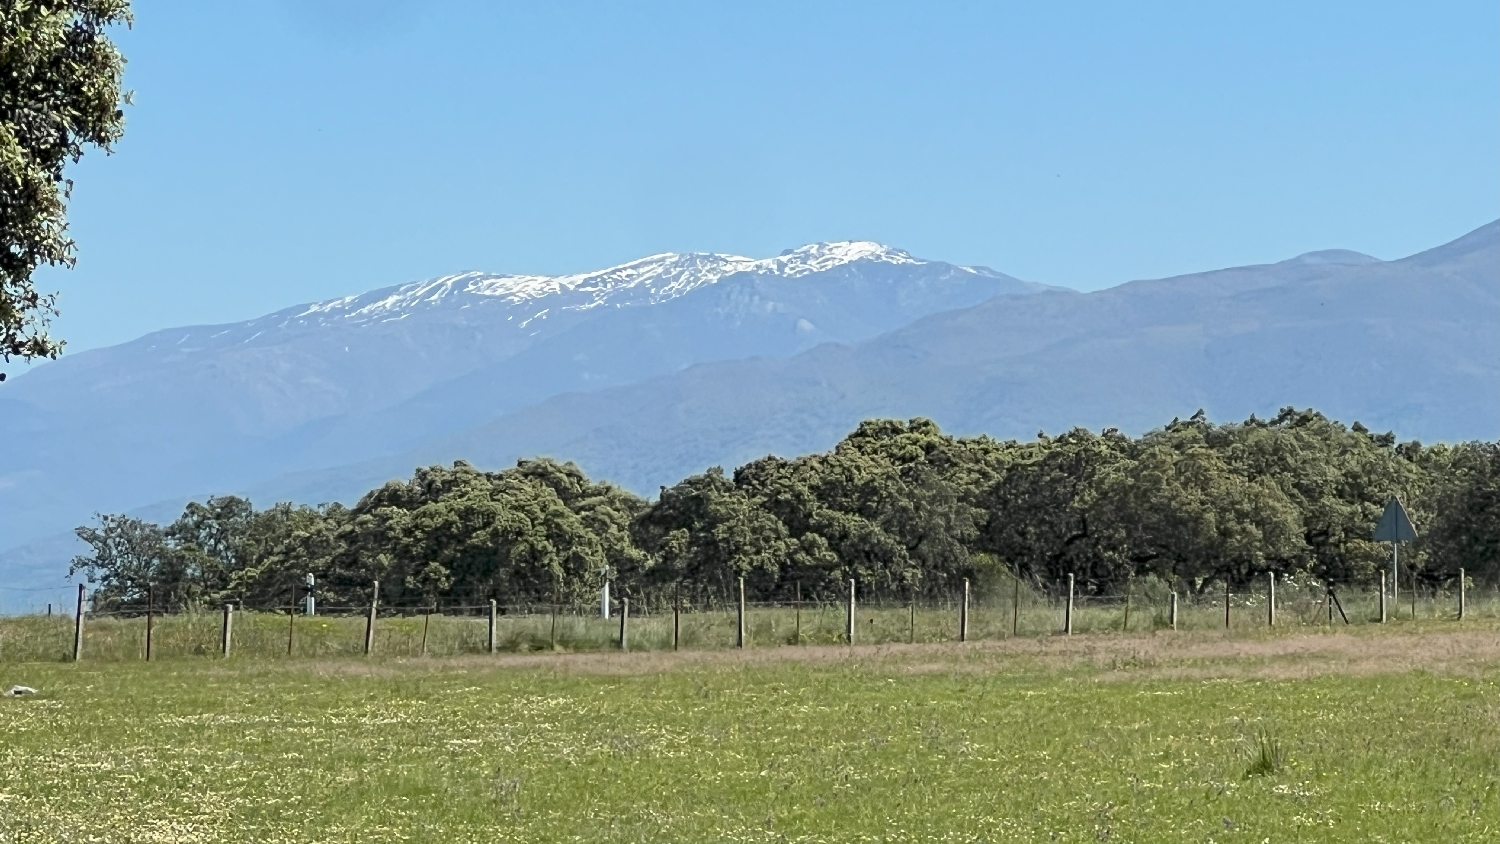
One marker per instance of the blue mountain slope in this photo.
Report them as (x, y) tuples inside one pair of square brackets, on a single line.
[(1408, 345), (199, 410)]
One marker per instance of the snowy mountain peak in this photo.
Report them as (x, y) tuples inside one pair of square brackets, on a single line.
[(649, 280)]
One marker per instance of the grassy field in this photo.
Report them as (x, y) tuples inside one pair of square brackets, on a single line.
[(1352, 734)]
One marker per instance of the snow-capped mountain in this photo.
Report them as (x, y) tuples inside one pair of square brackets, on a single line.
[(195, 410), (663, 366), (647, 281)]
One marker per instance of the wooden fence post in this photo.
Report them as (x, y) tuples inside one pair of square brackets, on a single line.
[(1271, 599), (1462, 596), (963, 614), (624, 623), (291, 621), (226, 630), (1172, 611), (150, 607), (78, 627), (426, 623), (739, 617), (1413, 593), (1015, 608), (1382, 596), (849, 620), (553, 639), (490, 637), (1068, 609), (370, 620), (799, 613)]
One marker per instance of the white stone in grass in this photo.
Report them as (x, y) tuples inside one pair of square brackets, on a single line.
[(17, 691)]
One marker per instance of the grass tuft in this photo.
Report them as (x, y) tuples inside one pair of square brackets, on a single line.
[(1269, 758)]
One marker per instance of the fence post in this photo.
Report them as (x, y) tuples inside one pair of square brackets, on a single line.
[(553, 640), (739, 617), (1413, 593), (1462, 598), (1226, 603), (426, 623), (1270, 599), (1015, 608), (676, 621), (490, 640), (963, 614), (799, 612), (226, 630), (291, 621), (150, 606), (1382, 596), (624, 623), (1129, 587), (1068, 609), (849, 621), (78, 627), (370, 621), (911, 630), (1172, 611)]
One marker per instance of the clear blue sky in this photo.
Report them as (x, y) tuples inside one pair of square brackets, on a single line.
[(281, 152)]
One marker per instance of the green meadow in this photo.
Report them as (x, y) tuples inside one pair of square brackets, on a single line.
[(1354, 734)]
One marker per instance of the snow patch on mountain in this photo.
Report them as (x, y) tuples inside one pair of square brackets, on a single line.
[(649, 280)]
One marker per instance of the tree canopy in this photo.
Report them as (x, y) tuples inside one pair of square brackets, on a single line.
[(60, 91), (898, 506)]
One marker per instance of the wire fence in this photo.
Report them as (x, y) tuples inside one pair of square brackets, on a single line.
[(663, 622)]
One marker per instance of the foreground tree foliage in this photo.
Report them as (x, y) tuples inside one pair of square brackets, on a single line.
[(60, 91), (900, 507)]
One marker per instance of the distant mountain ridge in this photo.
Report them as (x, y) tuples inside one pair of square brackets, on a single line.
[(194, 410), (683, 362), (1408, 345)]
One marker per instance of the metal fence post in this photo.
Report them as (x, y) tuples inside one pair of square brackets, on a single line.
[(490, 640), (226, 630), (1172, 611), (1382, 597), (849, 626), (963, 614), (1462, 596), (1270, 599)]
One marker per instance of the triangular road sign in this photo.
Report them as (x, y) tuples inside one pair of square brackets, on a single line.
[(1395, 525)]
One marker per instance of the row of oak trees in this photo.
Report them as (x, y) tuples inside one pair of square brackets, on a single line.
[(899, 506)]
